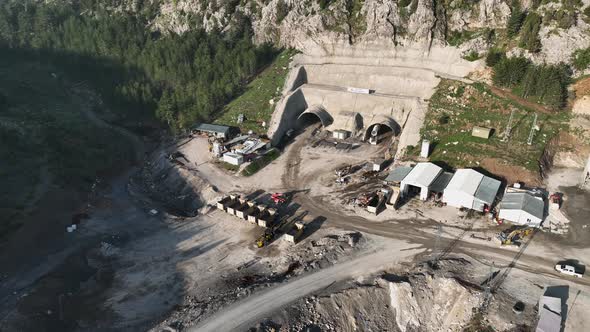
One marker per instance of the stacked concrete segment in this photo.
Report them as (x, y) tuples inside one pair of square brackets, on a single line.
[(246, 210)]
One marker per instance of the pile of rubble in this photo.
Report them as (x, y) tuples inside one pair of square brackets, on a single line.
[(421, 298), (180, 190), (326, 251), (417, 302), (260, 274)]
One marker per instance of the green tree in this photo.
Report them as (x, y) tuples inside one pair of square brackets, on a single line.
[(581, 58), (547, 84), (510, 71), (7, 26), (177, 78), (530, 33), (24, 21), (325, 3), (282, 11), (494, 56), (516, 19)]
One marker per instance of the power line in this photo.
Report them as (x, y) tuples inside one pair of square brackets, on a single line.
[(509, 126), (533, 129)]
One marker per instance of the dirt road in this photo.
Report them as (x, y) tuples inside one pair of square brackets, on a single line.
[(418, 233), (242, 314), (521, 101)]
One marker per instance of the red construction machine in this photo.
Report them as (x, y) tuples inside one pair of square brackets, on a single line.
[(278, 198)]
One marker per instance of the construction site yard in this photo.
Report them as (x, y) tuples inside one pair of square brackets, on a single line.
[(181, 243)]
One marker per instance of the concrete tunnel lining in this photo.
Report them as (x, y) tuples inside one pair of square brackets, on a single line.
[(320, 112), (386, 121)]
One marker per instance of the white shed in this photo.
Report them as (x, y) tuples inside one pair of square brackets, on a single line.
[(471, 189), (522, 208), (233, 158), (421, 176)]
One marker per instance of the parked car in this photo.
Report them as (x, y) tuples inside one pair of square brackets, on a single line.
[(570, 270)]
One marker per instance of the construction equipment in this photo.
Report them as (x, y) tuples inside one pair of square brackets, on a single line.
[(343, 180), (265, 238), (474, 236), (369, 175), (364, 199), (378, 201), (374, 135), (343, 171), (278, 198), (283, 227), (555, 201), (514, 236)]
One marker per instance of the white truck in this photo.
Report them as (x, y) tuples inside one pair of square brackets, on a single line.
[(569, 270)]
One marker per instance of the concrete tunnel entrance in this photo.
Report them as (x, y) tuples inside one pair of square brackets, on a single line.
[(307, 119), (314, 114), (382, 126), (381, 130)]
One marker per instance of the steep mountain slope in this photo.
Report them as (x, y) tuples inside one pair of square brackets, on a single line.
[(48, 140), (314, 26)]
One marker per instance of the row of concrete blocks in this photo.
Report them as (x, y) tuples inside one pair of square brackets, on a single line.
[(247, 210)]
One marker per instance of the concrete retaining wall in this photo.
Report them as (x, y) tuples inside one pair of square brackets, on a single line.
[(285, 115)]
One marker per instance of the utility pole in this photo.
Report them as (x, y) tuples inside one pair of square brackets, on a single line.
[(439, 231), (508, 127), (533, 129), (488, 289)]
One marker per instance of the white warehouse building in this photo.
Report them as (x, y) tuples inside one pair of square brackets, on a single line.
[(422, 177), (522, 208), (471, 189)]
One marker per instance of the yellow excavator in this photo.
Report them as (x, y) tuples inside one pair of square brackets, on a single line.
[(279, 229), (514, 236), (265, 238)]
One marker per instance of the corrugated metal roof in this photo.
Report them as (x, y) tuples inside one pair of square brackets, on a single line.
[(466, 180), (525, 202), (441, 182), (488, 189), (548, 321), (551, 303), (398, 174), (475, 184), (238, 139), (423, 174), (207, 127)]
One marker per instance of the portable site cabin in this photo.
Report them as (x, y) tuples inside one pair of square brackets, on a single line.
[(522, 208), (233, 158), (481, 132), (471, 189), (421, 177), (379, 164), (218, 131), (340, 134)]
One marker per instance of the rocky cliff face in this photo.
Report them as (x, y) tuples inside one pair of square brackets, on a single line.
[(319, 25)]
